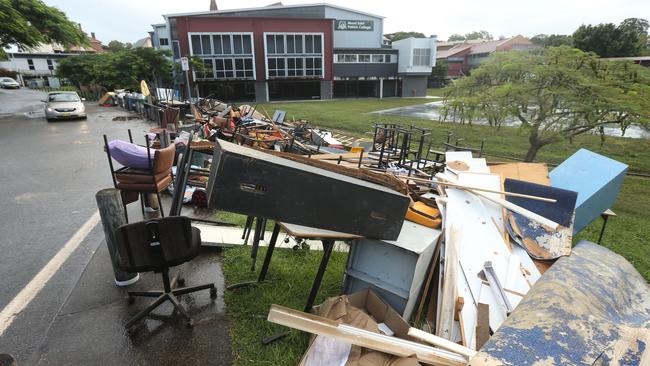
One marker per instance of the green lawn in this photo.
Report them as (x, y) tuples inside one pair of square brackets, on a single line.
[(291, 272), (351, 116)]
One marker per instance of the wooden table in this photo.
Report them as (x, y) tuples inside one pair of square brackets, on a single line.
[(327, 237)]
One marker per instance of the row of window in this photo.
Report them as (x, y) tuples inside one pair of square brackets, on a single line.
[(221, 44), (229, 67), (366, 59), (291, 44), (295, 66)]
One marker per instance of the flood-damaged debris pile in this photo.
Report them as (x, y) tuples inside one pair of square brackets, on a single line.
[(454, 260)]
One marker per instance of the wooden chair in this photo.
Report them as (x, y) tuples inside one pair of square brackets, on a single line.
[(139, 182)]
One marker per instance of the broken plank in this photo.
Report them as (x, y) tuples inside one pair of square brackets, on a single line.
[(482, 325), (441, 342)]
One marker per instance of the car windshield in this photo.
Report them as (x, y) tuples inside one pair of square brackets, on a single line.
[(63, 97), (8, 80)]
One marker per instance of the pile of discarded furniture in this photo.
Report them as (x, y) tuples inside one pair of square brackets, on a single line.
[(453, 260)]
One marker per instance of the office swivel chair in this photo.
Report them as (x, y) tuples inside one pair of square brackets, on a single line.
[(156, 245)]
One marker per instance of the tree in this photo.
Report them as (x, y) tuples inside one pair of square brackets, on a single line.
[(456, 37), (392, 37), (117, 70), (28, 23), (552, 40), (439, 73), (118, 46), (554, 95), (608, 40), (479, 35)]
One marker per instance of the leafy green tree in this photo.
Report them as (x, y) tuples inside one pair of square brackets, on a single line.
[(439, 73), (115, 45), (608, 40), (556, 94), (552, 40), (117, 70), (479, 35), (392, 37), (456, 37), (28, 23)]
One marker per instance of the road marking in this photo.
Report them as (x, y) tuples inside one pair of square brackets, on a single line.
[(29, 292)]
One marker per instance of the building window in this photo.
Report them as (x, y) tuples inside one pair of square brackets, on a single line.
[(50, 65), (231, 54), (30, 64), (164, 41), (343, 58), (421, 57), (294, 55), (176, 49)]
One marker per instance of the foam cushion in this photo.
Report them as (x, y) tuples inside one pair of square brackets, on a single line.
[(130, 155)]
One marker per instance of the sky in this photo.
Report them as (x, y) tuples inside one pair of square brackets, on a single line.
[(129, 20)]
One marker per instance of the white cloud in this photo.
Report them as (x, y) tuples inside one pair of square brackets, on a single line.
[(129, 20)]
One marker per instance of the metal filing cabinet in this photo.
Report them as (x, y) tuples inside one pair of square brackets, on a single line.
[(596, 178), (395, 270)]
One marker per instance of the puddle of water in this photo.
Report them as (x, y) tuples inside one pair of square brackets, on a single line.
[(431, 112)]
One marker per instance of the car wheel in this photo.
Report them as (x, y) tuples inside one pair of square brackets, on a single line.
[(49, 119)]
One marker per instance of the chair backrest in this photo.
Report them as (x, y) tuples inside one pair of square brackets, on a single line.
[(163, 159), (156, 244)]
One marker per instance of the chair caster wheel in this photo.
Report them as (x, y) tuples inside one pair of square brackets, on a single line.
[(131, 300), (213, 293), (181, 282), (296, 247), (286, 241)]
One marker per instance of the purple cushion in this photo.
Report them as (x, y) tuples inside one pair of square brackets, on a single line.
[(130, 155)]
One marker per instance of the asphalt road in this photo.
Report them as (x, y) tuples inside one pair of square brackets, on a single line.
[(49, 173)]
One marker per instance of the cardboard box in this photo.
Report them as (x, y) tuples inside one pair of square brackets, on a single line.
[(364, 309)]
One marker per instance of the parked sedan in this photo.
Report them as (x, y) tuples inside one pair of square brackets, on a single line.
[(9, 83), (64, 105)]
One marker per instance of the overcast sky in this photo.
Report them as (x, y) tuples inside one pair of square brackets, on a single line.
[(130, 20)]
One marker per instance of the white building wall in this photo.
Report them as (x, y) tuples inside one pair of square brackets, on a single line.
[(20, 65), (405, 47), (355, 38)]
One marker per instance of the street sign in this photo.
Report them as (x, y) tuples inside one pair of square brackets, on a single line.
[(185, 64)]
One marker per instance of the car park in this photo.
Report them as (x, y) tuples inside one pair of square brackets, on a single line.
[(59, 105)]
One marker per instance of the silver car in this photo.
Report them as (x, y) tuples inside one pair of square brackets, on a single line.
[(8, 83), (64, 105)]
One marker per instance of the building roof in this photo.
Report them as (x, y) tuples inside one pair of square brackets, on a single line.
[(452, 51), (270, 7), (143, 43), (481, 46)]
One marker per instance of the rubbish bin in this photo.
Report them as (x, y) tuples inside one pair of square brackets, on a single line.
[(111, 211)]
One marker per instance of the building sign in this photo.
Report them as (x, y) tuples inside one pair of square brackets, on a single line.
[(354, 25)]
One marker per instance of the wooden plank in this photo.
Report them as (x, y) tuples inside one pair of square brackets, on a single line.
[(425, 292), (336, 156), (363, 338), (449, 287), (510, 206), (530, 172), (482, 325), (441, 342)]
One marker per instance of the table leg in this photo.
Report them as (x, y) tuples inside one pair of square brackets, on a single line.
[(256, 241), (269, 253), (602, 230), (328, 245)]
